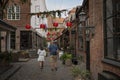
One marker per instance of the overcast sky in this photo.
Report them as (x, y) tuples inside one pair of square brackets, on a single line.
[(62, 4)]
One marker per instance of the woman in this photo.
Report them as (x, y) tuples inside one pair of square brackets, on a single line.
[(41, 56)]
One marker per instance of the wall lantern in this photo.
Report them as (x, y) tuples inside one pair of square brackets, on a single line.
[(27, 26), (89, 30), (82, 16)]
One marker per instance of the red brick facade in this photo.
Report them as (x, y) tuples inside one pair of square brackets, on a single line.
[(20, 25), (94, 10), (97, 42)]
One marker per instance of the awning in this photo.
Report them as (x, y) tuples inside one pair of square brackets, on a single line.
[(6, 27)]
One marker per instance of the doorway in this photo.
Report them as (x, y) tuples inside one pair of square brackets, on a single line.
[(88, 55)]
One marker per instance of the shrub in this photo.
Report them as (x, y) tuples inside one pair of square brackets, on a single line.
[(5, 58), (66, 56), (83, 74)]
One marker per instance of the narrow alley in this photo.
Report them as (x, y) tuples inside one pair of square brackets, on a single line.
[(30, 70), (86, 34)]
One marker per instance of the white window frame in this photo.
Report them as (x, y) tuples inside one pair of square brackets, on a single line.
[(13, 12)]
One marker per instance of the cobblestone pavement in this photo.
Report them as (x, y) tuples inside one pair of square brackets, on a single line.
[(31, 71)]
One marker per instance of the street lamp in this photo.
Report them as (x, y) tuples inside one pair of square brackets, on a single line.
[(89, 30), (82, 16), (88, 33)]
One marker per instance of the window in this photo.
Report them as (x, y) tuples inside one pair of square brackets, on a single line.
[(112, 29), (12, 40), (13, 12), (25, 40)]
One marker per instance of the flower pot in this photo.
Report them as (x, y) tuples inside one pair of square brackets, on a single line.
[(74, 61), (68, 62)]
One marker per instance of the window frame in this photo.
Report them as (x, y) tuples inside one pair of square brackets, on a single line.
[(25, 43), (106, 59), (16, 10)]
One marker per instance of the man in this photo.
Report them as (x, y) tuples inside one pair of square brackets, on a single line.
[(53, 49)]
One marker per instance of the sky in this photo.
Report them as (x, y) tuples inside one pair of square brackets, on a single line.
[(62, 4)]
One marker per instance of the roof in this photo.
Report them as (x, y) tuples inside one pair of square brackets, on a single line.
[(72, 11), (6, 27)]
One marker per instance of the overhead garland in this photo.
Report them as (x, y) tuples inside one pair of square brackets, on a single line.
[(47, 13)]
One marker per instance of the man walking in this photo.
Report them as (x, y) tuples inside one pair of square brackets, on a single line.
[(53, 49)]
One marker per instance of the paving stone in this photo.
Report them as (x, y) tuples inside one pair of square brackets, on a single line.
[(30, 70), (10, 72)]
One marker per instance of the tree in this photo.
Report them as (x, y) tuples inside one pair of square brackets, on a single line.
[(5, 3)]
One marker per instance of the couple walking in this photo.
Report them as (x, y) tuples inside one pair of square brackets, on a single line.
[(53, 50)]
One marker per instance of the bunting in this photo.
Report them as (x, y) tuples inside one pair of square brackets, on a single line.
[(47, 13)]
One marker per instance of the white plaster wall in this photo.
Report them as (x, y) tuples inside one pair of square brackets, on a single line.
[(38, 6)]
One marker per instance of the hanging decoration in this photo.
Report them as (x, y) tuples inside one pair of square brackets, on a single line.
[(55, 24), (51, 35), (42, 26), (27, 26), (38, 15), (53, 13), (54, 33), (48, 39), (48, 33), (59, 13), (68, 24)]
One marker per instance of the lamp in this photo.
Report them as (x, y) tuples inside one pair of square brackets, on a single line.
[(82, 16), (89, 30)]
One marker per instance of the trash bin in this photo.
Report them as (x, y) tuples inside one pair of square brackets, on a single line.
[(75, 61)]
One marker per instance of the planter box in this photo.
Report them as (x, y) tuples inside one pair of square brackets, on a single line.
[(15, 57)]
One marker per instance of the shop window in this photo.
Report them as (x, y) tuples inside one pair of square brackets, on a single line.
[(25, 40), (112, 29)]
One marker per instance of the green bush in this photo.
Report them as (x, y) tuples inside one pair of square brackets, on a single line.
[(5, 56), (66, 56), (84, 74), (76, 71), (5, 59)]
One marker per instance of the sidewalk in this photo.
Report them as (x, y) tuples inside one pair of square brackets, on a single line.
[(8, 71), (30, 70)]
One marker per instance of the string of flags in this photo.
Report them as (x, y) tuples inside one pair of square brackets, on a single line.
[(47, 13)]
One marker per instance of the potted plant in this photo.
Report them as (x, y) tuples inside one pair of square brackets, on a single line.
[(5, 58), (24, 54), (80, 74), (14, 55), (66, 58)]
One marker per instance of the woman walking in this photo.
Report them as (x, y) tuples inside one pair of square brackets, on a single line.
[(41, 57)]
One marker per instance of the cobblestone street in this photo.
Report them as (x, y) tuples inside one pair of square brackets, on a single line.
[(30, 70)]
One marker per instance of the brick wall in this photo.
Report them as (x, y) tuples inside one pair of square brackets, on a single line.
[(97, 42), (20, 24)]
